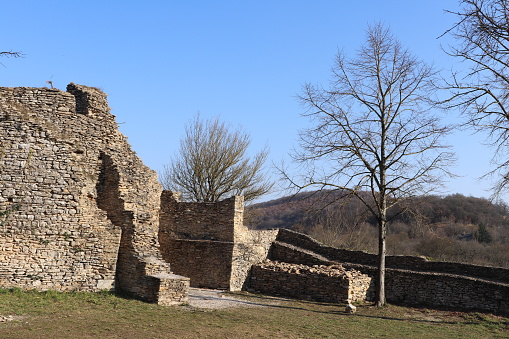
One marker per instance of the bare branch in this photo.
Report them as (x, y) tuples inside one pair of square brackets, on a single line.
[(11, 54), (482, 93)]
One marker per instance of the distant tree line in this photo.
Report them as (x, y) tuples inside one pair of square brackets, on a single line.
[(450, 228)]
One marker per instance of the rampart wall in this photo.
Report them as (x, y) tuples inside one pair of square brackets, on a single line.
[(326, 283), (413, 263)]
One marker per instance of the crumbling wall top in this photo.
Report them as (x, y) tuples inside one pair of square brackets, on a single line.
[(89, 100)]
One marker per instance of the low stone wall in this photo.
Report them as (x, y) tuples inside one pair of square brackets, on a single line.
[(320, 283), (410, 287), (399, 262), (292, 254), (168, 289), (447, 291)]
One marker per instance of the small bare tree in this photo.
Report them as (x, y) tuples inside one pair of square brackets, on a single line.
[(482, 92), (375, 135), (341, 224), (213, 164)]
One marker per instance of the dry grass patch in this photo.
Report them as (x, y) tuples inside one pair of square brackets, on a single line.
[(104, 315)]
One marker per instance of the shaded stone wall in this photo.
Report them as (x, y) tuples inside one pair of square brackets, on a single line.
[(207, 263), (253, 249), (88, 207), (447, 291)]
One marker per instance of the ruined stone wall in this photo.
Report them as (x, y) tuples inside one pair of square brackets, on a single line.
[(209, 243), (207, 263), (323, 283), (88, 208), (253, 249), (465, 287), (447, 291), (216, 221), (399, 262)]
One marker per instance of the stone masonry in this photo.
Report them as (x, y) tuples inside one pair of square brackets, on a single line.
[(209, 243), (326, 283), (409, 280), (86, 209)]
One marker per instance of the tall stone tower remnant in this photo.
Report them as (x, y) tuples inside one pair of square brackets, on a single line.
[(85, 208)]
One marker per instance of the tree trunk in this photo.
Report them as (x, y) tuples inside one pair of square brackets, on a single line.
[(380, 299)]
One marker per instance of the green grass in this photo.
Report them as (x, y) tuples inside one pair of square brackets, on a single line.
[(104, 315)]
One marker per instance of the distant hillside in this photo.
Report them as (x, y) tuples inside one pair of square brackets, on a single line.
[(453, 227)]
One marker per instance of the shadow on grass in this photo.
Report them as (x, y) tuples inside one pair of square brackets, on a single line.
[(269, 301)]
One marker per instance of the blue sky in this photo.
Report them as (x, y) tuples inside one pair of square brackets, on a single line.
[(161, 62)]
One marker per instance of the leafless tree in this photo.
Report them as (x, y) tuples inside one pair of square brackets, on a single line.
[(213, 164), (482, 92), (375, 135), (341, 224)]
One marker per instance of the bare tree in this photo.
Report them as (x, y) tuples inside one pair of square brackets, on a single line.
[(342, 225), (482, 92), (213, 164), (375, 135)]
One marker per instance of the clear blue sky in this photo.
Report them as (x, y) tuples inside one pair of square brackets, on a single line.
[(161, 62)]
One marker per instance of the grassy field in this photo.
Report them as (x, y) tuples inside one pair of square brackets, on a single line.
[(51, 315)]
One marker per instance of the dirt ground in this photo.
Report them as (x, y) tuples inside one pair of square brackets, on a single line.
[(215, 299)]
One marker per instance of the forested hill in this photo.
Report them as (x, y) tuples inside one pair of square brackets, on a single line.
[(453, 227), (304, 210)]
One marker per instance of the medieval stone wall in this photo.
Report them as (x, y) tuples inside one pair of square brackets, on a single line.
[(86, 208), (253, 249), (86, 214)]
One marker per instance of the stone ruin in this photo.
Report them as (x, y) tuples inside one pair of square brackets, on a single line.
[(84, 213), (87, 214), (325, 283), (85, 208)]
